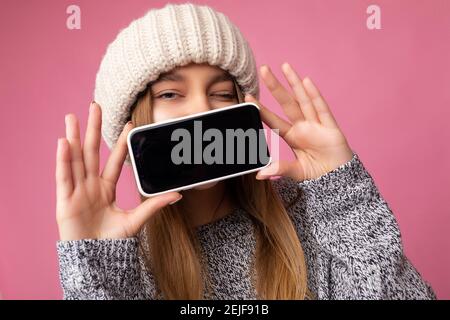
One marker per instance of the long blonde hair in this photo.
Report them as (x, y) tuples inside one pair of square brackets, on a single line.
[(175, 259)]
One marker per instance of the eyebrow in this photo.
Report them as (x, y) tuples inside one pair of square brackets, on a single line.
[(174, 76)]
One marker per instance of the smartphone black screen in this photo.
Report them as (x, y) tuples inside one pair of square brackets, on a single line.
[(186, 152)]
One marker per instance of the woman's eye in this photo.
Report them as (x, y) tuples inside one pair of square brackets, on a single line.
[(226, 96), (167, 95), (173, 95)]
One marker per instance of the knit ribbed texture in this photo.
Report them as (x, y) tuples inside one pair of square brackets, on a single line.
[(161, 40)]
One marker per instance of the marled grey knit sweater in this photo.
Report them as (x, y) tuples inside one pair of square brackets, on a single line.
[(348, 232)]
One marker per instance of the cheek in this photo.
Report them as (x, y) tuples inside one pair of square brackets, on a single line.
[(161, 114), (222, 104)]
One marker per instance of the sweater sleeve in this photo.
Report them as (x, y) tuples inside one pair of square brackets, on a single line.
[(350, 237), (110, 269)]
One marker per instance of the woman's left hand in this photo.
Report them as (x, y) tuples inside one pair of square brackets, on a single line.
[(313, 134)]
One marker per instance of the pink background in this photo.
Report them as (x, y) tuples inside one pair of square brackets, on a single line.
[(388, 88)]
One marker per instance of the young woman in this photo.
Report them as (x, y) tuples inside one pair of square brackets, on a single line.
[(321, 231)]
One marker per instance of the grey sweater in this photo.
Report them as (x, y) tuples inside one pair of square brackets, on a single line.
[(349, 235)]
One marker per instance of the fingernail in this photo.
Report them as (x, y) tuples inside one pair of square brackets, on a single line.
[(266, 171), (261, 177), (181, 196)]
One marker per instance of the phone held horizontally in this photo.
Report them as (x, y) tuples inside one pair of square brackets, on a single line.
[(186, 152)]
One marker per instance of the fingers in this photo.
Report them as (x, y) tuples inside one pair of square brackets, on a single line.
[(64, 184), (73, 137), (114, 164), (272, 120), (323, 111), (290, 169), (312, 105), (92, 140), (296, 84), (284, 98), (146, 209)]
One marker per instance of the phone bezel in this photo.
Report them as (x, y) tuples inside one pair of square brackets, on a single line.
[(164, 122)]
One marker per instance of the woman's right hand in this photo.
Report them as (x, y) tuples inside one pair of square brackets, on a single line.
[(85, 199)]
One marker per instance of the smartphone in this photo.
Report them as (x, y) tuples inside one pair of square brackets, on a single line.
[(186, 152)]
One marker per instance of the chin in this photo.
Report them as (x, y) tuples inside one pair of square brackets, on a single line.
[(206, 186)]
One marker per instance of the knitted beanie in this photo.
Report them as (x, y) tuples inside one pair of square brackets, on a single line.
[(161, 40)]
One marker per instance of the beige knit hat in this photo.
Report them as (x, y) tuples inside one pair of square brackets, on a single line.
[(161, 40)]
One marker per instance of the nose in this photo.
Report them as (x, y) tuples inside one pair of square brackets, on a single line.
[(197, 103)]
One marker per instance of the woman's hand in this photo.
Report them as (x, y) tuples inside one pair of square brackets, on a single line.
[(312, 133), (85, 199)]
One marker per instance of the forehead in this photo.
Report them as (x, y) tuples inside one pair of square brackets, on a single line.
[(203, 71)]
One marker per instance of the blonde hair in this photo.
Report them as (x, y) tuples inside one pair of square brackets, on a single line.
[(279, 268)]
